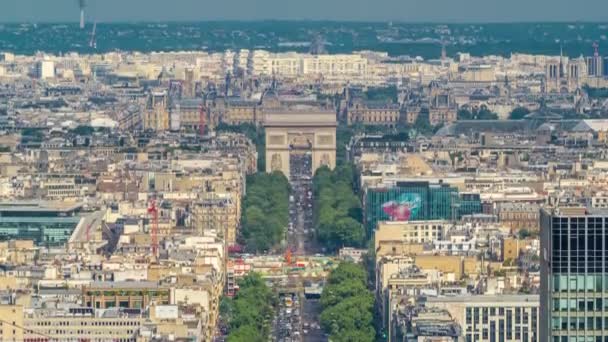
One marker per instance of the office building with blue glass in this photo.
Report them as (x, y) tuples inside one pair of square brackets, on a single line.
[(417, 200), (574, 275), (47, 224)]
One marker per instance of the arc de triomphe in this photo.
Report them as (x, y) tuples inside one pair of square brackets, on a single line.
[(309, 128)]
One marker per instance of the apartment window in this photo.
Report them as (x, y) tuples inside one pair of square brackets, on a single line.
[(555, 323), (573, 322)]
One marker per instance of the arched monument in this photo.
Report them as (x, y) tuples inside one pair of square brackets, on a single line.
[(304, 128)]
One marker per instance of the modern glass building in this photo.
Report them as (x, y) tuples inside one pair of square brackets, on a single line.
[(417, 201), (574, 275), (44, 223)]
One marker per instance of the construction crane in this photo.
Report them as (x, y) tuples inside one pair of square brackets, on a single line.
[(153, 212), (93, 41), (288, 257), (88, 232), (202, 120)]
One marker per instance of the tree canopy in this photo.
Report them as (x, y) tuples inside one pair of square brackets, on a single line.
[(31, 135), (596, 93), (388, 94), (348, 305), (83, 130), (338, 210), (519, 113), (423, 122), (477, 113), (265, 211), (249, 313)]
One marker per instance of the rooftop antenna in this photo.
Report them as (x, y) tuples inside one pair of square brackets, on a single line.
[(82, 4), (596, 51), (561, 60)]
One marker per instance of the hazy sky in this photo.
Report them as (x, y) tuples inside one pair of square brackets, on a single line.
[(370, 10)]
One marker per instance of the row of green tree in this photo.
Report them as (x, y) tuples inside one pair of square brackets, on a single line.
[(250, 312), (476, 113), (387, 94), (348, 305), (253, 132), (337, 208), (265, 211), (483, 113), (596, 93)]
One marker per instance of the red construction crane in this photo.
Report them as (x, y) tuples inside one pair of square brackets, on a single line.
[(88, 233), (202, 120), (288, 257), (153, 211)]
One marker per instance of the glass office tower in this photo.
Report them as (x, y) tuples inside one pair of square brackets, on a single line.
[(416, 201), (574, 275)]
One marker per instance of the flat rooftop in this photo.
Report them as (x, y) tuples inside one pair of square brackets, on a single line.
[(485, 299), (576, 211), (39, 206), (123, 285), (290, 117)]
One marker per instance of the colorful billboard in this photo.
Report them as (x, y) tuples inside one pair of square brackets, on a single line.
[(404, 208)]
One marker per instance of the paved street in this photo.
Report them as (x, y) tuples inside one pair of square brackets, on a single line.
[(301, 238), (299, 322), (311, 328), (287, 323)]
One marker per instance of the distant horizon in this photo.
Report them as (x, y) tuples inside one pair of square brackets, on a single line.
[(279, 35), (91, 21)]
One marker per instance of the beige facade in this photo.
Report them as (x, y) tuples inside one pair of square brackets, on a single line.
[(410, 232), (442, 263), (289, 130), (519, 216), (485, 318), (217, 213), (512, 247), (51, 327), (238, 112), (106, 295), (11, 326), (156, 119), (442, 115), (442, 107), (411, 114), (562, 76), (384, 114)]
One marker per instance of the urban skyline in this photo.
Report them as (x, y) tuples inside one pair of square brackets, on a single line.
[(303, 181)]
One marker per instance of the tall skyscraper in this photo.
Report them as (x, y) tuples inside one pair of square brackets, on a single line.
[(574, 275), (82, 4), (594, 63)]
